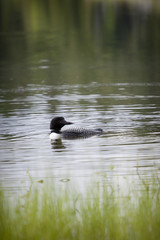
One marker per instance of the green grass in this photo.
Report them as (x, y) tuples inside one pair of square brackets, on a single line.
[(64, 214)]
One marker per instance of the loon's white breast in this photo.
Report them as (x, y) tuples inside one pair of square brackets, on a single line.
[(55, 136)]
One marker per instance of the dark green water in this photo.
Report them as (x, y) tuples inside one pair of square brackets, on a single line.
[(97, 63)]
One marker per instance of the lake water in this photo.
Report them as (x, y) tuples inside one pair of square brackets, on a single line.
[(96, 64)]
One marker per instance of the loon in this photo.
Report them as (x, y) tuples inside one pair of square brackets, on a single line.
[(71, 133)]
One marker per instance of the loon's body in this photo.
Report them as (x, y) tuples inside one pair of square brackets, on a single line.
[(57, 132)]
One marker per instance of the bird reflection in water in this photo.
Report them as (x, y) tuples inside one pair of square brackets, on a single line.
[(57, 145)]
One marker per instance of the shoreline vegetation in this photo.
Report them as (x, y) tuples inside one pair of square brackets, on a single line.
[(104, 213)]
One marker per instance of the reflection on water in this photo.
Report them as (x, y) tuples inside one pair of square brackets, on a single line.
[(97, 65), (57, 145)]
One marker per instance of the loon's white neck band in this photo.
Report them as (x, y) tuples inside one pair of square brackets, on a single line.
[(55, 131)]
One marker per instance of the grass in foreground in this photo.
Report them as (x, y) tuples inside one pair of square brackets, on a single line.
[(65, 214)]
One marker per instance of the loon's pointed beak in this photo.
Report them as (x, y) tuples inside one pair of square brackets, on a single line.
[(68, 123)]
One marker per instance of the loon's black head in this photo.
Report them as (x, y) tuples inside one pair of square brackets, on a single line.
[(57, 123)]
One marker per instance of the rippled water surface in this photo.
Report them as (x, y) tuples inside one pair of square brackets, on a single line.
[(111, 82)]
